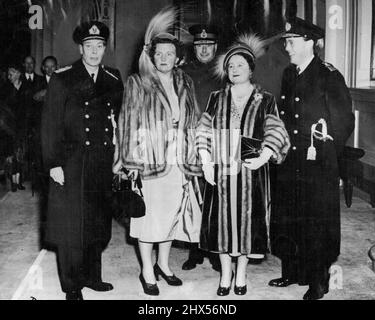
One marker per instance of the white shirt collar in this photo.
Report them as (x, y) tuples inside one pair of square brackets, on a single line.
[(304, 65), (90, 71), (29, 75)]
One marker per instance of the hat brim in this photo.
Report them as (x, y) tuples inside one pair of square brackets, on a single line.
[(94, 37), (205, 41), (291, 35)]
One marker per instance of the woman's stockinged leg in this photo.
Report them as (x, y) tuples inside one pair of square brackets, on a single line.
[(145, 249), (241, 270), (163, 257), (226, 270)]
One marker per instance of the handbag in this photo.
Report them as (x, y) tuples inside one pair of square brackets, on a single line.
[(127, 202), (250, 148)]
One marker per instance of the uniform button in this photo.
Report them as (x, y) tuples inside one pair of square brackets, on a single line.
[(87, 129), (109, 117), (87, 143), (106, 129), (87, 116), (105, 143), (108, 104), (282, 113), (86, 103), (296, 116), (297, 99), (294, 148), (295, 131), (282, 97)]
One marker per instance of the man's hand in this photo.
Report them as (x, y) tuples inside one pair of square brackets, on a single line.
[(57, 174)]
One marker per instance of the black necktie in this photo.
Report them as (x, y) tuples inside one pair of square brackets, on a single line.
[(93, 77), (298, 70)]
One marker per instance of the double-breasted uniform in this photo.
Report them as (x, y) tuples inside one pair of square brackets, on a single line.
[(77, 134), (305, 220)]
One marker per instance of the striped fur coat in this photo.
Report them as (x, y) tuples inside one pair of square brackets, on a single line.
[(145, 125), (236, 210)]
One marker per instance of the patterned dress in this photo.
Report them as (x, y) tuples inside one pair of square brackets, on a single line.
[(236, 210)]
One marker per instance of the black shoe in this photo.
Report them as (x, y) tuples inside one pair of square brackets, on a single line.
[(223, 291), (148, 288), (99, 286), (315, 293), (190, 264), (171, 280), (21, 187), (240, 291), (281, 282), (74, 295)]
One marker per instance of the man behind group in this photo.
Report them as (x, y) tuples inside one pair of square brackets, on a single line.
[(316, 107), (78, 124), (200, 70)]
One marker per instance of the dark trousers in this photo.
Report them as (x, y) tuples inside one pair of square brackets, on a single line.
[(195, 253), (78, 267), (312, 273)]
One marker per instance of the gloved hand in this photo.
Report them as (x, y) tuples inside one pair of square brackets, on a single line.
[(258, 162), (207, 167)]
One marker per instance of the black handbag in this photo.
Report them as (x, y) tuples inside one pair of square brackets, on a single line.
[(250, 148), (126, 202)]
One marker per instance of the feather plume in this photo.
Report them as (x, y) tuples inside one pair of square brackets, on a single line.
[(247, 41), (159, 24)]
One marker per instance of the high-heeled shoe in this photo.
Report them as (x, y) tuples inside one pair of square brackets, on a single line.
[(171, 280), (224, 291), (149, 288), (240, 291)]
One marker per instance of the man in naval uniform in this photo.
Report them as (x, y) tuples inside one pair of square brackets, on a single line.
[(200, 70), (316, 107), (78, 124)]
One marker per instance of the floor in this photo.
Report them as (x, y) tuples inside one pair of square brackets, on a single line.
[(27, 273)]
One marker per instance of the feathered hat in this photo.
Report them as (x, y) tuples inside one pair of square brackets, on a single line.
[(248, 43), (157, 28)]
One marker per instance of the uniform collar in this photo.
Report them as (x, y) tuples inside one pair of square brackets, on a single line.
[(304, 65), (93, 74)]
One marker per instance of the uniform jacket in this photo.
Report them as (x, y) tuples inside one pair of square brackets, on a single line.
[(77, 135), (306, 209), (204, 81)]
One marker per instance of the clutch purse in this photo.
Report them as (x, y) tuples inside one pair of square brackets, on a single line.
[(127, 201), (250, 148)]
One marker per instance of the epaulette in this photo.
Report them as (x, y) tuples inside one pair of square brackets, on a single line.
[(329, 66), (63, 69), (110, 73)]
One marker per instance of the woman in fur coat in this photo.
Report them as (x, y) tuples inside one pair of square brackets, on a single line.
[(236, 201), (157, 126)]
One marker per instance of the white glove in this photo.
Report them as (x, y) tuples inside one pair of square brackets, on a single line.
[(207, 167), (258, 162), (57, 174)]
